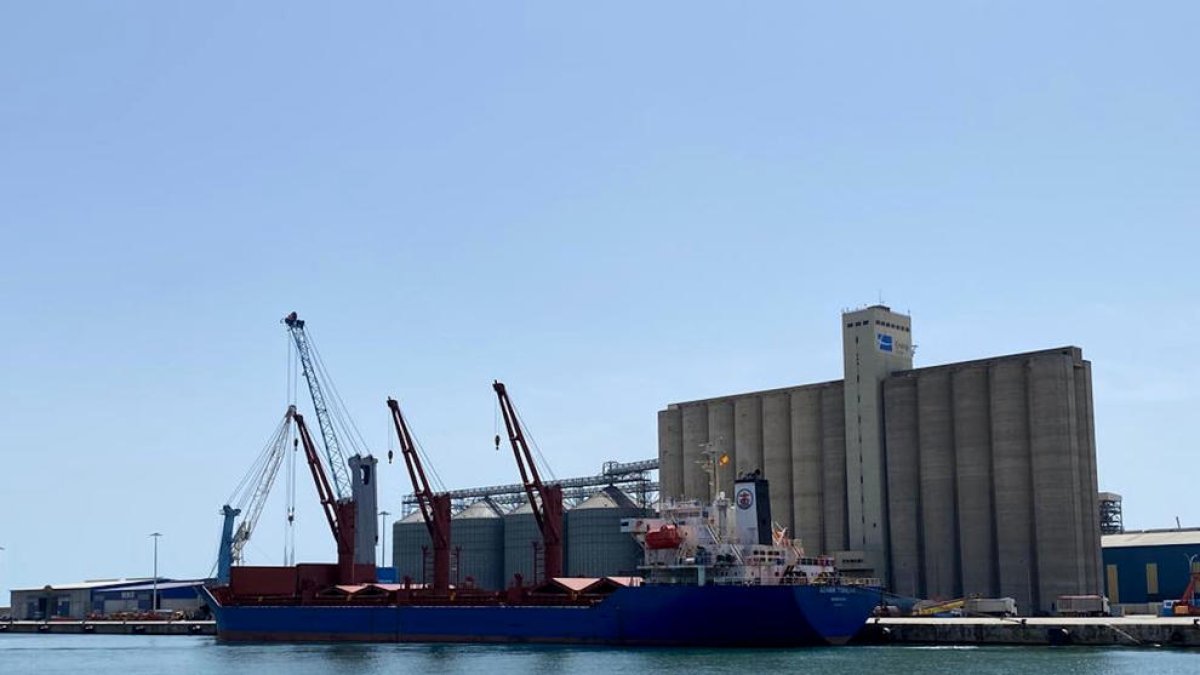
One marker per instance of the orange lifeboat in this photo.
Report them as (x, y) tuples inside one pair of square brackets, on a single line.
[(666, 536)]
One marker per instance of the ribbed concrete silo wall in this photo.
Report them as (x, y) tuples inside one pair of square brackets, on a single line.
[(777, 456), (973, 464), (904, 485), (409, 538), (720, 434), (833, 466), (807, 473), (1055, 484), (939, 539), (1012, 483), (695, 435), (1089, 487), (520, 534), (747, 434), (670, 453)]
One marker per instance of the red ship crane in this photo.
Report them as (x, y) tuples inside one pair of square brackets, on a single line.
[(435, 507), (545, 500), (339, 513)]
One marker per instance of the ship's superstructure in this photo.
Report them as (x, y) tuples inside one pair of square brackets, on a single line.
[(722, 543)]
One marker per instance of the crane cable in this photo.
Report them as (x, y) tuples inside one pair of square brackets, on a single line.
[(352, 434), (289, 527), (258, 473), (289, 532), (430, 470), (537, 450), (543, 464)]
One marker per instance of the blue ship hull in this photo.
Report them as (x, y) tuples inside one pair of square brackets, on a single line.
[(741, 616)]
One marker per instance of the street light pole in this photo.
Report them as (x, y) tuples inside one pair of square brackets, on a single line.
[(154, 596), (383, 548)]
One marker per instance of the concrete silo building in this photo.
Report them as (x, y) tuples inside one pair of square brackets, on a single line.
[(966, 478)]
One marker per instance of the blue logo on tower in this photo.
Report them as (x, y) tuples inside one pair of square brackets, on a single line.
[(884, 341)]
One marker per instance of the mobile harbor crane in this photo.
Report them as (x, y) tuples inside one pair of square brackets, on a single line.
[(352, 488)]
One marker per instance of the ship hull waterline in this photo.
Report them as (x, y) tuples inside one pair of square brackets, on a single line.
[(683, 616)]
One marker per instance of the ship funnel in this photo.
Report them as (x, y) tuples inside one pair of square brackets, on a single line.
[(752, 502)]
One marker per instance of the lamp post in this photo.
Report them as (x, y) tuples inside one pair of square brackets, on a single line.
[(154, 593), (383, 548)]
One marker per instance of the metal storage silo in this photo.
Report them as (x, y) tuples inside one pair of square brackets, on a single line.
[(596, 546), (520, 533), (477, 538), (409, 536)]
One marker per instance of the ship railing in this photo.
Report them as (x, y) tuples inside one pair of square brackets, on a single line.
[(742, 581), (736, 553), (859, 581)]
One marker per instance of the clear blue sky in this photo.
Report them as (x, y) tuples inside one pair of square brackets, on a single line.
[(611, 207)]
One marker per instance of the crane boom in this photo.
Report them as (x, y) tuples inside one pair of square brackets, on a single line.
[(546, 501), (262, 487), (334, 455), (435, 507), (339, 513), (250, 497)]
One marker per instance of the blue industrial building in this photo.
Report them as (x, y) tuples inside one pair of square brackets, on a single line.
[(180, 596), (1149, 566), (105, 597)]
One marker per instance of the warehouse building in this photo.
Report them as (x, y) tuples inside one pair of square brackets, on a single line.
[(1149, 566), (173, 596), (972, 478), (104, 597)]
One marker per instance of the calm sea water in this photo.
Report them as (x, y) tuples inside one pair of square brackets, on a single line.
[(143, 654)]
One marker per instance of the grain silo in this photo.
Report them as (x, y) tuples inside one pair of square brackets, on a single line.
[(596, 546), (409, 537), (520, 534), (477, 539), (968, 478)]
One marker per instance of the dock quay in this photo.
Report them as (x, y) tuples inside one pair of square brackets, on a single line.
[(1099, 631), (111, 627), (1136, 631)]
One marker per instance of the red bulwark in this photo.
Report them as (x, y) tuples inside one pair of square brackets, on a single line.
[(245, 581)]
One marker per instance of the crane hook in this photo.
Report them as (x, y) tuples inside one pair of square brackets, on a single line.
[(497, 442)]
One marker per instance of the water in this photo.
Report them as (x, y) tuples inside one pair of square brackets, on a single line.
[(135, 655)]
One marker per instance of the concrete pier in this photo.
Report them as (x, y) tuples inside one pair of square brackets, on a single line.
[(1135, 631), (110, 627)]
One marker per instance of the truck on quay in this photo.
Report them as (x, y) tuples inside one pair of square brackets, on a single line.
[(1083, 605), (991, 606)]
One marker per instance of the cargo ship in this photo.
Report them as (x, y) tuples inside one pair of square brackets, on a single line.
[(715, 574)]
